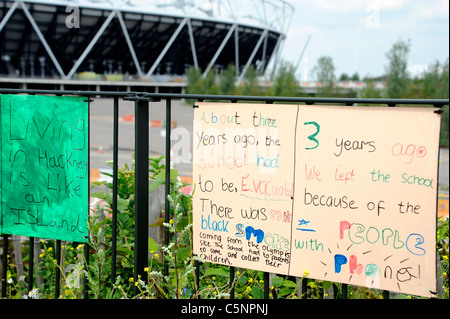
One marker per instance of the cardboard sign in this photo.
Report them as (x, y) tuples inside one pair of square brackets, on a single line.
[(346, 194), (44, 166)]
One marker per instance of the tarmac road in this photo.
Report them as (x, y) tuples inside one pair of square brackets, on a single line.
[(101, 140), (443, 168)]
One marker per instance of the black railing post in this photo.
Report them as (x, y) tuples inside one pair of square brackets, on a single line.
[(266, 285), (197, 278), (232, 268), (86, 246), (232, 276), (114, 191), (266, 274), (167, 185), (86, 249), (141, 189), (304, 288), (58, 268), (30, 264), (4, 264), (344, 291)]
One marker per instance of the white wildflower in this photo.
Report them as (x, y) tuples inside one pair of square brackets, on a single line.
[(34, 294), (198, 258), (73, 280)]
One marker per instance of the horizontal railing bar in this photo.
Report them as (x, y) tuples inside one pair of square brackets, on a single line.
[(202, 97)]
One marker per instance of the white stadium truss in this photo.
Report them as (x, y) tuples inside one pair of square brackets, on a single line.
[(139, 38)]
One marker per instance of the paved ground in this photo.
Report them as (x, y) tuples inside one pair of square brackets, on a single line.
[(443, 168), (102, 130)]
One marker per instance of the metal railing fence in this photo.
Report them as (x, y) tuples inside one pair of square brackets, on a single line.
[(143, 107)]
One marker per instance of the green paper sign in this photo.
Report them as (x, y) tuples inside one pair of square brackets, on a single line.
[(44, 166)]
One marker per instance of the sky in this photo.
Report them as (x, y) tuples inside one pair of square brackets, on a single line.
[(357, 34)]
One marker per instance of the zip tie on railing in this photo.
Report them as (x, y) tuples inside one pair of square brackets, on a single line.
[(141, 98)]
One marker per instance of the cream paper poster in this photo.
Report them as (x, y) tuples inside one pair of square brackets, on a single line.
[(347, 194)]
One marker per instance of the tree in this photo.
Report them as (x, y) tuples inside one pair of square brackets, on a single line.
[(436, 84), (194, 81), (209, 85), (355, 77), (344, 77), (324, 72), (369, 90), (196, 84), (397, 75), (250, 87), (227, 80), (285, 83)]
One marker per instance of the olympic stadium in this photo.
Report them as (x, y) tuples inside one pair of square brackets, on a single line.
[(129, 44)]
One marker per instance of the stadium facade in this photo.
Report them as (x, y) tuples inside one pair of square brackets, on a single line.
[(138, 40)]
